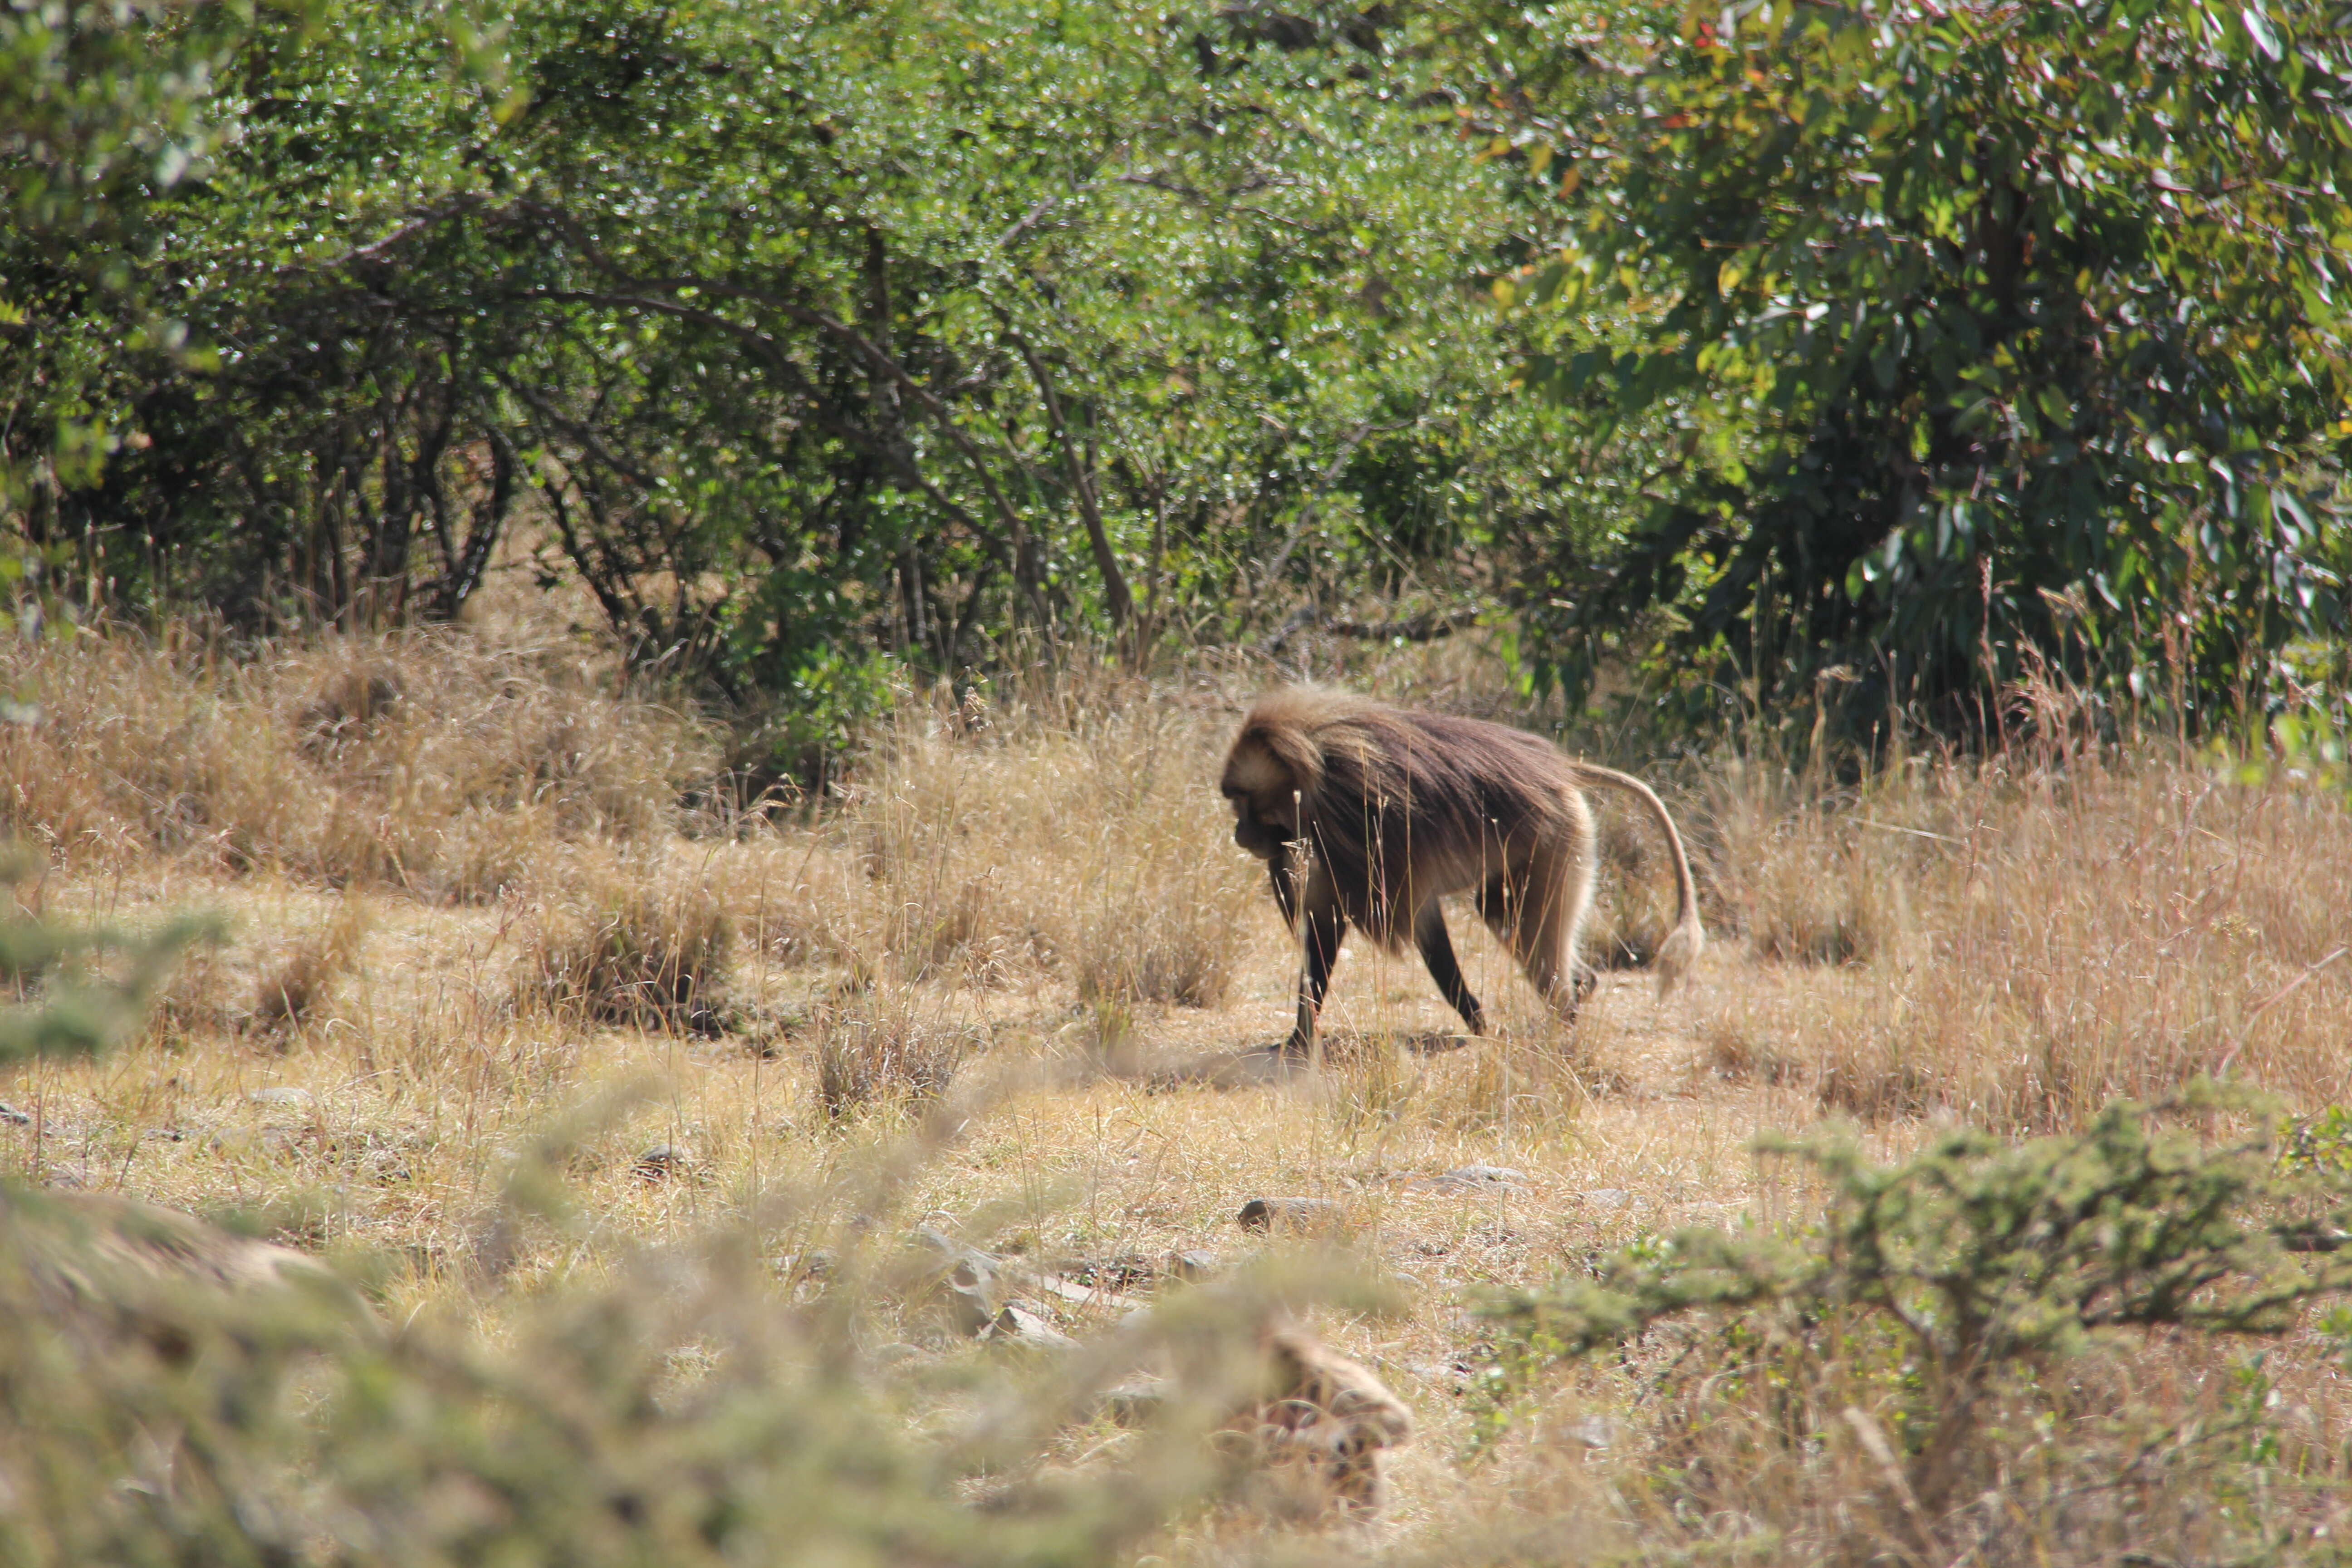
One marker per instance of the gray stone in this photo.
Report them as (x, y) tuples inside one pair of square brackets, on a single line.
[(1020, 1324), (965, 1281), (1197, 1264), (1594, 1432), (1472, 1179), (1499, 1175), (1079, 1295)]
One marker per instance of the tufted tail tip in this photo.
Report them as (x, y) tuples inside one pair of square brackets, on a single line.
[(1677, 954)]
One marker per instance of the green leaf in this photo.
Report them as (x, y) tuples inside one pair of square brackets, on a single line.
[(2258, 27)]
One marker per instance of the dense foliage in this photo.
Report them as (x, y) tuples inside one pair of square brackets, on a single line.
[(2029, 317), (802, 336), (1912, 347), (101, 108)]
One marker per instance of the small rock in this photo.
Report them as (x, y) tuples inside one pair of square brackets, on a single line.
[(15, 1118), (1472, 1179), (660, 1161), (1079, 1295), (1195, 1265), (1290, 1214), (285, 1096), (1021, 1325), (1605, 1198), (965, 1281), (1594, 1432)]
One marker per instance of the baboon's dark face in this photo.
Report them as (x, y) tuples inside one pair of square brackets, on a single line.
[(1264, 798)]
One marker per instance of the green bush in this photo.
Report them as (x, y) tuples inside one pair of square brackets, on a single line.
[(1943, 1317)]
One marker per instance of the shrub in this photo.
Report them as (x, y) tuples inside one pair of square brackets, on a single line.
[(78, 990), (304, 979), (154, 1409), (1941, 1309)]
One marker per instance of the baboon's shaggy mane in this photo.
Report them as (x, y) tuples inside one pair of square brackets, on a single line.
[(1382, 786)]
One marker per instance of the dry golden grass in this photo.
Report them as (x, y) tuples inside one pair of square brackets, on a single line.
[(426, 762), (2027, 946), (466, 901)]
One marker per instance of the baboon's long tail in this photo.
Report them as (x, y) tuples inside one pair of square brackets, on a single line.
[(1683, 944)]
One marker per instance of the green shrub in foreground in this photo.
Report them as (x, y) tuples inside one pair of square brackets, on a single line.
[(1992, 1351)]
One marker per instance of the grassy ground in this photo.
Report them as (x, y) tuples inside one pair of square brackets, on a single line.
[(471, 891)]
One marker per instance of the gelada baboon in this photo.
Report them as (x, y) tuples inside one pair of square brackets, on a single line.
[(1391, 810)]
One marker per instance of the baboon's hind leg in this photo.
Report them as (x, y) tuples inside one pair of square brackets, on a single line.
[(1436, 946), (1538, 913)]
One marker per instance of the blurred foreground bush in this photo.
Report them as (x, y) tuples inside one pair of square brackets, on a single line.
[(173, 1394), (686, 1412)]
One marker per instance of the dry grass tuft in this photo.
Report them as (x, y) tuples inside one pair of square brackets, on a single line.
[(621, 948), (1158, 946), (425, 761), (885, 1048), (1738, 1056), (1057, 837), (1810, 879), (304, 980), (1799, 916)]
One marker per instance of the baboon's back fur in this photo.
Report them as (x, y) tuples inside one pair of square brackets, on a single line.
[(1387, 792)]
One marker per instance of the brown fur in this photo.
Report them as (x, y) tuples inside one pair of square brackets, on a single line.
[(1395, 809)]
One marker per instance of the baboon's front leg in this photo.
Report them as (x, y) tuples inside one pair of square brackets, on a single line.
[(1324, 926), (1286, 871), (1436, 946)]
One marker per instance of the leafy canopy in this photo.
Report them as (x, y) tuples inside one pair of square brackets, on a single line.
[(2036, 314)]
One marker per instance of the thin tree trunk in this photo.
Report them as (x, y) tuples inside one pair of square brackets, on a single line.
[(1117, 599)]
